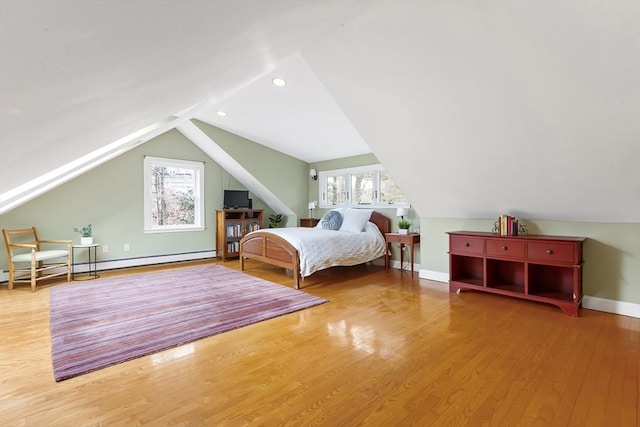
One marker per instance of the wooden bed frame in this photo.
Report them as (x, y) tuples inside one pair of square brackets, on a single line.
[(274, 250)]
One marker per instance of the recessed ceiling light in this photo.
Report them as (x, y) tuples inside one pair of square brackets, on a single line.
[(278, 81), (221, 114)]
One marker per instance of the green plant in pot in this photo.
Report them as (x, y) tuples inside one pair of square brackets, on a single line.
[(403, 226), (86, 235), (275, 220)]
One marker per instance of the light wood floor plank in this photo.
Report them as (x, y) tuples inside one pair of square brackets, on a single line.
[(387, 350), (631, 387)]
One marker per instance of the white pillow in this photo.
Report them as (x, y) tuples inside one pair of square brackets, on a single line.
[(354, 220)]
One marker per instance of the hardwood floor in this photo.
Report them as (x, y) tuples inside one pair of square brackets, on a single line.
[(388, 349)]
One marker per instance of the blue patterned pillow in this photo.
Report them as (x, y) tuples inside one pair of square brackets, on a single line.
[(332, 220)]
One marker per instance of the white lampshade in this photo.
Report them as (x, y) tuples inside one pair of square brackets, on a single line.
[(402, 211), (312, 205)]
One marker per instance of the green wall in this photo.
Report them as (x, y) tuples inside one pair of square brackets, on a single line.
[(347, 162), (110, 197), (611, 252), (285, 176), (352, 162)]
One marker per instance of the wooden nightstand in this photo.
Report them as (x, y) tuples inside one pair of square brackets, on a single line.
[(309, 222), (404, 239)]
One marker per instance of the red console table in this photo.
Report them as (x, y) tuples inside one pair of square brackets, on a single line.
[(539, 268)]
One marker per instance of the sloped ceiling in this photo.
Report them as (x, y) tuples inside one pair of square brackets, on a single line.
[(77, 76), (476, 108)]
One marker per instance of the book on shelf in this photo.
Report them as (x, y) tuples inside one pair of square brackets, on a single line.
[(252, 226), (507, 225), (234, 230)]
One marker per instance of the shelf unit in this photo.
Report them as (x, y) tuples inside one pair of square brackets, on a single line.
[(231, 227), (534, 267)]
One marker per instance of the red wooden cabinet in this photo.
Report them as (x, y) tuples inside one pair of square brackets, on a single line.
[(539, 268)]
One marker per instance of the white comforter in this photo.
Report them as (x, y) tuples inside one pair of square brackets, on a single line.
[(319, 248)]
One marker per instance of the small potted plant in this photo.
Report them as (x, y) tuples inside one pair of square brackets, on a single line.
[(275, 220), (86, 235), (403, 226)]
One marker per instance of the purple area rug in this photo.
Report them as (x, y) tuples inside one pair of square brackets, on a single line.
[(108, 321)]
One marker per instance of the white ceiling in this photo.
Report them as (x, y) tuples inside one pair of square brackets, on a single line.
[(476, 108), (77, 76), (300, 119)]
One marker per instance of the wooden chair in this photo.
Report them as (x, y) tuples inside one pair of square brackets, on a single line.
[(24, 247)]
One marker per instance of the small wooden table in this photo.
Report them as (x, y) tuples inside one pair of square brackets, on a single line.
[(309, 222), (404, 239)]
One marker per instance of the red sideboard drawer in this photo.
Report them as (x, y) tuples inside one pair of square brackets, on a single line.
[(551, 251), (471, 245), (505, 247)]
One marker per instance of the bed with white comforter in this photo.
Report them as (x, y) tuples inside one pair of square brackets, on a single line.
[(307, 250), (319, 248)]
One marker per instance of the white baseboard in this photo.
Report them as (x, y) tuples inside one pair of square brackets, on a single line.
[(160, 259), (133, 262), (592, 303), (436, 276), (407, 265), (396, 264), (611, 306), (437, 279)]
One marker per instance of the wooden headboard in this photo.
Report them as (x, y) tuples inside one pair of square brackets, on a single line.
[(383, 223)]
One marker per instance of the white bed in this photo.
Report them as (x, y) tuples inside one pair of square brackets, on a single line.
[(307, 250)]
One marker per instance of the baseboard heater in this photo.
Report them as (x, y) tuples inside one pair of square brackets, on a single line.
[(114, 264)]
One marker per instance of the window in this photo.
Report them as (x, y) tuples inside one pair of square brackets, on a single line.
[(367, 185), (362, 188), (173, 195), (389, 191), (336, 190)]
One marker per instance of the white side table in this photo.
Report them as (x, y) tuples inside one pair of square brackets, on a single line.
[(92, 265)]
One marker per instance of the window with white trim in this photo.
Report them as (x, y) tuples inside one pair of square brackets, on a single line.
[(360, 186), (173, 195)]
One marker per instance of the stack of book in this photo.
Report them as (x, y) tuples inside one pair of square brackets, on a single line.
[(253, 226), (507, 225), (234, 230)]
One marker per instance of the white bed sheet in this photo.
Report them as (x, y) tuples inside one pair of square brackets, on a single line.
[(319, 248)]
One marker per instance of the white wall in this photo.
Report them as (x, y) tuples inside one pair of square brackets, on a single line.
[(483, 108)]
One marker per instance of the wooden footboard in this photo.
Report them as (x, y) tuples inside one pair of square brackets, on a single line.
[(273, 250)]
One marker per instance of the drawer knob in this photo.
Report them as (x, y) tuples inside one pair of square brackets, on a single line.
[(549, 251), (466, 245), (504, 248)]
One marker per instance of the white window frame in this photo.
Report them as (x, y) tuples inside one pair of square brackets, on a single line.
[(347, 173), (198, 168)]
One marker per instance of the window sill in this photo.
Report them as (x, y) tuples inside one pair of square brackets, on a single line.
[(173, 229)]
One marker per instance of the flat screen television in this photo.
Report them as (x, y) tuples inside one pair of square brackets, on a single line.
[(236, 199)]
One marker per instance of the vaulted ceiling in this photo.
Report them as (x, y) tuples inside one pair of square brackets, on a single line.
[(475, 108)]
